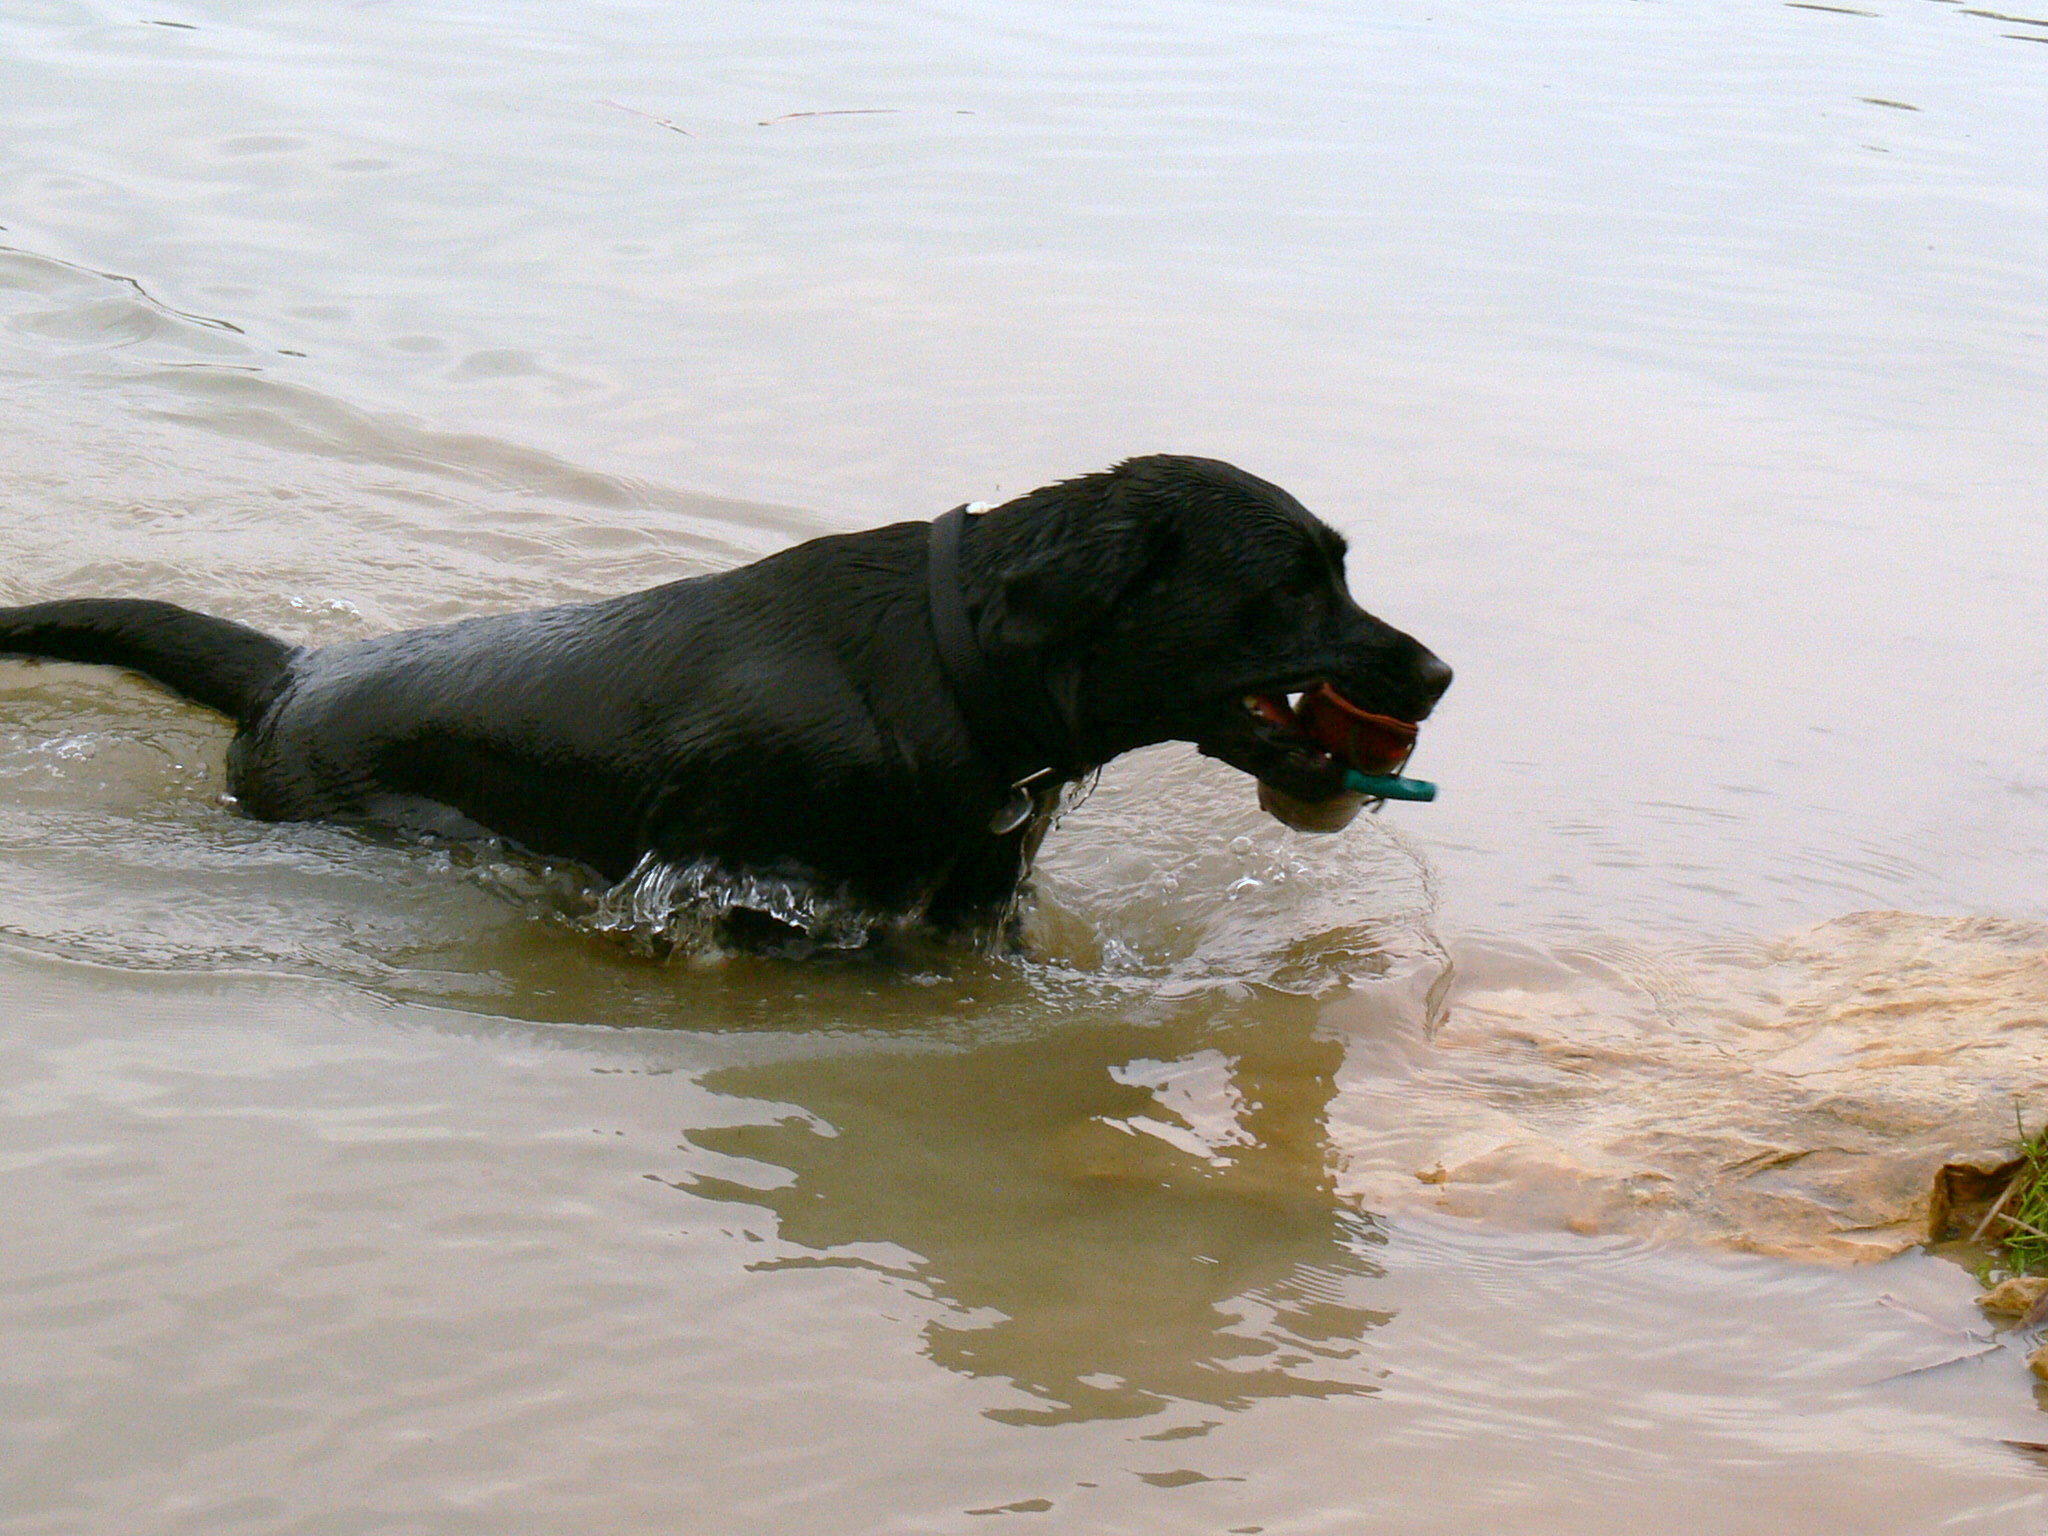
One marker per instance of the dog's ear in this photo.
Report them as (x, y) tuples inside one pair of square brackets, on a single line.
[(1072, 553)]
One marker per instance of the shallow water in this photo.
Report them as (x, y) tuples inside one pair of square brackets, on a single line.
[(1675, 372)]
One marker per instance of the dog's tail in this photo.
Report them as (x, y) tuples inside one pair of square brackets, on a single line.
[(216, 662)]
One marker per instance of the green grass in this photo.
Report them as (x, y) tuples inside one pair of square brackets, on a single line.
[(2025, 1237)]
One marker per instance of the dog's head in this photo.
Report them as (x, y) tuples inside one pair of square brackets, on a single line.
[(1183, 599)]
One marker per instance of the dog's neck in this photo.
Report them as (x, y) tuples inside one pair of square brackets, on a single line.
[(1015, 725)]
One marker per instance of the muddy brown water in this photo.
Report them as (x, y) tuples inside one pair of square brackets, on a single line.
[(1674, 371)]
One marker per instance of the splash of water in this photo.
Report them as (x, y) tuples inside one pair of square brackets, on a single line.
[(662, 908)]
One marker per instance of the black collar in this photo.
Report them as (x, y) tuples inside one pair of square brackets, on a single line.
[(1018, 729)]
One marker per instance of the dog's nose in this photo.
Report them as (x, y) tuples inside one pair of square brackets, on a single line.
[(1432, 676)]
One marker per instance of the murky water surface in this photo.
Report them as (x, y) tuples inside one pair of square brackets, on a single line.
[(1674, 370)]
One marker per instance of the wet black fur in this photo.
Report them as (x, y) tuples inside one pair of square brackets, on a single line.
[(791, 717)]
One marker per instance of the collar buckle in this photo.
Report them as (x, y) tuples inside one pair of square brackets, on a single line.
[(1017, 808)]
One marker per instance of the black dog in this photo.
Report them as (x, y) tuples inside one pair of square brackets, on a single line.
[(886, 715)]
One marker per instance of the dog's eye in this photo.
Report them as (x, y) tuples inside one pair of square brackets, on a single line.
[(1264, 611)]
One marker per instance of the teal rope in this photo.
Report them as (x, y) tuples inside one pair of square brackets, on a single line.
[(1387, 786)]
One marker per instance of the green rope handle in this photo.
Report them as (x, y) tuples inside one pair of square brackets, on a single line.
[(1387, 786)]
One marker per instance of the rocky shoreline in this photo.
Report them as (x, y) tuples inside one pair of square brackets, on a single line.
[(1842, 1095)]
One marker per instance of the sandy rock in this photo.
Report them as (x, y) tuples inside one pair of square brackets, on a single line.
[(2015, 1297), (1802, 1098), (2037, 1362)]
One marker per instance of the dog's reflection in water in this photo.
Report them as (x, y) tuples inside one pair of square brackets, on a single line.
[(1117, 1215)]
